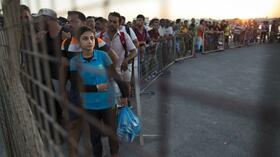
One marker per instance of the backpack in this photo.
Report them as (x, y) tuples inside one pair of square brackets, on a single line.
[(123, 42), (127, 30)]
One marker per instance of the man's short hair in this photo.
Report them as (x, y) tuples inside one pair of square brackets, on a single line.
[(178, 20), (123, 18), (141, 16), (62, 21), (82, 30), (89, 17), (81, 16), (116, 14), (101, 19), (201, 21), (153, 21)]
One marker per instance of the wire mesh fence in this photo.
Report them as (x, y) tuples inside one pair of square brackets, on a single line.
[(36, 127)]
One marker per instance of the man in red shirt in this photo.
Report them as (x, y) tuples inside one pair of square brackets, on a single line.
[(153, 33), (142, 34)]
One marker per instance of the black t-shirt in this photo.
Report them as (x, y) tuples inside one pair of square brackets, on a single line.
[(53, 50)]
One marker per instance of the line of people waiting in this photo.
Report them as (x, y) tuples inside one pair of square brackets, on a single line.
[(91, 61)]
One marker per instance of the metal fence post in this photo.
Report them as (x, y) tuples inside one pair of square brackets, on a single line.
[(223, 40), (137, 95), (202, 44)]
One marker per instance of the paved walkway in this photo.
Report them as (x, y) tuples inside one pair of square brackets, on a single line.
[(216, 106)]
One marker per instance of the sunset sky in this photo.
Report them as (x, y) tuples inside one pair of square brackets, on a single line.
[(172, 9)]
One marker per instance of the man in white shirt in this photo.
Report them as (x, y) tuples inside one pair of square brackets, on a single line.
[(165, 29), (125, 49), (129, 31)]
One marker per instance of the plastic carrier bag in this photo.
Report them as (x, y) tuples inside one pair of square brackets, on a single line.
[(128, 124)]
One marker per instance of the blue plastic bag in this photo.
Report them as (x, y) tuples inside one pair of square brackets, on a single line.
[(128, 124)]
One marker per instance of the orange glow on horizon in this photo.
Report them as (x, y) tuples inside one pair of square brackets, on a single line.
[(172, 9)]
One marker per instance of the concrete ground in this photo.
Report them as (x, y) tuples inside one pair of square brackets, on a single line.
[(223, 104)]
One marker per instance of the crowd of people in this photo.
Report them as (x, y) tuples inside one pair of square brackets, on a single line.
[(91, 60)]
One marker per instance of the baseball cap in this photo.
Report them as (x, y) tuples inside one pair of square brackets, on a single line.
[(47, 12)]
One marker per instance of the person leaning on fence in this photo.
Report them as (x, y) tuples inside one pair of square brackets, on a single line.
[(54, 34), (264, 31), (184, 27), (142, 35), (179, 36), (154, 35), (192, 27), (166, 34), (177, 26), (237, 33), (25, 41), (225, 27), (28, 45), (199, 40), (273, 32), (97, 95)]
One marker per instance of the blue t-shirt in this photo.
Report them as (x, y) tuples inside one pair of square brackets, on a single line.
[(94, 72)]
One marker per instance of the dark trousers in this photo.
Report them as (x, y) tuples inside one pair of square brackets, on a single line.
[(108, 116), (263, 37)]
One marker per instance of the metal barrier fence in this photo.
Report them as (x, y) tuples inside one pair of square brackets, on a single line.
[(162, 55), (184, 46), (213, 41), (246, 37)]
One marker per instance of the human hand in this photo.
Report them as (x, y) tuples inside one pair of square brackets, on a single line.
[(102, 87), (123, 102), (124, 65)]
